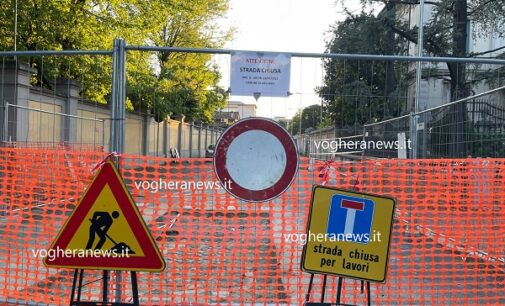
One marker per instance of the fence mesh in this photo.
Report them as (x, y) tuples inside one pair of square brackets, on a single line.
[(372, 101), (447, 245), (474, 127), (53, 101), (45, 101), (50, 128)]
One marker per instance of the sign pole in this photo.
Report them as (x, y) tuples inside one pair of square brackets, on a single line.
[(325, 278), (105, 285), (307, 297), (76, 300), (339, 289), (135, 290), (74, 283), (368, 293)]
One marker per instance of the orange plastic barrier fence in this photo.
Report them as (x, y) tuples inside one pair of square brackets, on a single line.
[(448, 241)]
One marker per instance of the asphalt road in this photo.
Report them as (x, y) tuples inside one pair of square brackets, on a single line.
[(220, 250)]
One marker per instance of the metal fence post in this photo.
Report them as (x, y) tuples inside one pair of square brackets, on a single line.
[(165, 138), (103, 135), (200, 140), (169, 135), (145, 134), (6, 122), (413, 135), (117, 116), (121, 110), (118, 94), (121, 94), (113, 99), (424, 138), (206, 137), (179, 138), (363, 154), (191, 139)]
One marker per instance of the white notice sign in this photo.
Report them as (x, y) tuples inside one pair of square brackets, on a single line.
[(260, 74)]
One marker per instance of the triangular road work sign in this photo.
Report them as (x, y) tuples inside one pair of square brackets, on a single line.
[(105, 231)]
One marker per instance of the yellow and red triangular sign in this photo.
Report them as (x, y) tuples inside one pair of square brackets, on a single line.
[(105, 231)]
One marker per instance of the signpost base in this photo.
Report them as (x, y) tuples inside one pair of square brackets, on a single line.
[(75, 295), (339, 293)]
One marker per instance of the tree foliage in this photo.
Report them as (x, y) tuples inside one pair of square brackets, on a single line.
[(355, 92), (311, 119), (388, 31), (165, 83), (446, 32)]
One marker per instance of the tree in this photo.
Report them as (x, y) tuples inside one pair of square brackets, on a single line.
[(445, 34), (189, 83), (311, 117), (284, 123), (356, 92), (73, 25), (174, 83)]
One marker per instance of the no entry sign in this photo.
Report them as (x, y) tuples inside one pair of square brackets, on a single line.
[(256, 159)]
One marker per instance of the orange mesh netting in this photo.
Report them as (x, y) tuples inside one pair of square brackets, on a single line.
[(448, 242)]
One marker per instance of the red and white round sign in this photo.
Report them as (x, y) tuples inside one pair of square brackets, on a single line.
[(256, 159)]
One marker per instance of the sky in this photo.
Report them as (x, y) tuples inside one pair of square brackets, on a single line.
[(288, 26)]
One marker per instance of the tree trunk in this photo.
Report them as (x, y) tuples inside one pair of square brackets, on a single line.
[(459, 89), (460, 33)]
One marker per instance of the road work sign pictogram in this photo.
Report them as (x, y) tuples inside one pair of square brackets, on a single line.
[(105, 231), (348, 234)]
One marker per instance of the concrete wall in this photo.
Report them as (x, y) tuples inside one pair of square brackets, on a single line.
[(44, 127), (41, 117)]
